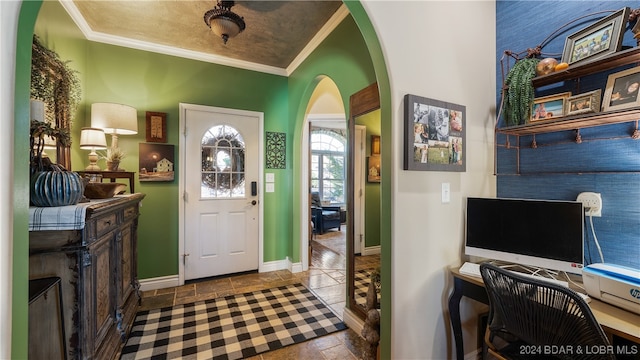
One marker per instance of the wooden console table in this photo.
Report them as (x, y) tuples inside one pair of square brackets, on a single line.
[(92, 248), (113, 175)]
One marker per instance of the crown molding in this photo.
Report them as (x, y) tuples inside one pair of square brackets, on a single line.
[(91, 35)]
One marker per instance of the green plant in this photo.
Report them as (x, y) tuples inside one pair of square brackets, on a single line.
[(38, 131), (518, 92)]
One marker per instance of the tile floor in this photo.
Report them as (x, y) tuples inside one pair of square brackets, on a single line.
[(326, 277)]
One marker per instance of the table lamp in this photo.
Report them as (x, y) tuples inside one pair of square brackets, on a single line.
[(114, 119), (92, 139)]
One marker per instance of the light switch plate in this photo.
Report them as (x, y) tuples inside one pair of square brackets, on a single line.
[(270, 177), (446, 193), (270, 187)]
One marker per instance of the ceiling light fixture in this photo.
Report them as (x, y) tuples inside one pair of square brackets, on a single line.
[(224, 22)]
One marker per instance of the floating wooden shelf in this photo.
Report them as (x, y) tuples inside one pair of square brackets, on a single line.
[(574, 122), (613, 61)]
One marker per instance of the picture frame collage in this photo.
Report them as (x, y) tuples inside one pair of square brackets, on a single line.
[(434, 135)]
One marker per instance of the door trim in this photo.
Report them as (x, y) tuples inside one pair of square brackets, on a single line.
[(304, 189), (181, 183)]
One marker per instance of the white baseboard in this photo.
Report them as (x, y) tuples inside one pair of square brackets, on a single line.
[(174, 280), (352, 321), (285, 264), (371, 250), (159, 282)]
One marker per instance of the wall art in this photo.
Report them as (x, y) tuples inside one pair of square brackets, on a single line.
[(276, 154), (434, 135), (156, 162)]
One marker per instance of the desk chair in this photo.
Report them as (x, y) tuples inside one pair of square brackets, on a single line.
[(535, 319)]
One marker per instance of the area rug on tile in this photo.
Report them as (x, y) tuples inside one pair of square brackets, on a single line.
[(232, 327), (361, 282)]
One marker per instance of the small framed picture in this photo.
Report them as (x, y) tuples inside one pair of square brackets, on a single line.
[(156, 127), (584, 103), (602, 38), (622, 90), (434, 136), (373, 167), (549, 107)]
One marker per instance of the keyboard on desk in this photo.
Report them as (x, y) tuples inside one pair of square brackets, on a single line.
[(473, 269)]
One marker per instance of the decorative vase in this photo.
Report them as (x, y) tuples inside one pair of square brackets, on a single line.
[(113, 165), (56, 188)]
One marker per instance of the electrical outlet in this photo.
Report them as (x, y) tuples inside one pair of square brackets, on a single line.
[(592, 203)]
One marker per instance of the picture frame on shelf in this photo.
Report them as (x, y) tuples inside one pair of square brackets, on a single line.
[(584, 103), (600, 39), (621, 91), (435, 138), (156, 127), (549, 107)]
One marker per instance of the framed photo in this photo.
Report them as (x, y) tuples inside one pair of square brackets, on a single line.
[(548, 107), (156, 127), (434, 138), (583, 103), (622, 90), (373, 167), (602, 38), (156, 162)]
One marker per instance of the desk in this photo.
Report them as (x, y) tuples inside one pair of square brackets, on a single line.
[(113, 175), (614, 321)]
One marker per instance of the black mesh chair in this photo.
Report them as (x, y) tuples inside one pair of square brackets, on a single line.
[(536, 319)]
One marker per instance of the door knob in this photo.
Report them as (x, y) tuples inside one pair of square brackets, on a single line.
[(253, 202)]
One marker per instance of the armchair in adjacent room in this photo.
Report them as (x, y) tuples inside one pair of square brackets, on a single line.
[(526, 313), (323, 217)]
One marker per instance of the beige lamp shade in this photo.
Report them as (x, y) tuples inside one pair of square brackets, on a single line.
[(92, 139), (114, 118)]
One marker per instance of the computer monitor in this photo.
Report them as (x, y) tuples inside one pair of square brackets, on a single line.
[(542, 233)]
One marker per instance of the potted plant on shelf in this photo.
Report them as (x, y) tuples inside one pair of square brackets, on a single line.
[(113, 157), (518, 91), (51, 184)]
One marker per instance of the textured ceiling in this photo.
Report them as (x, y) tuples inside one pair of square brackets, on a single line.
[(276, 32)]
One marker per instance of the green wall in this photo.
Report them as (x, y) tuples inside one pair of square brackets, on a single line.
[(20, 278), (371, 190), (343, 57), (154, 82)]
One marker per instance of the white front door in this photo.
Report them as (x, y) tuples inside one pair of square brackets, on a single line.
[(221, 183)]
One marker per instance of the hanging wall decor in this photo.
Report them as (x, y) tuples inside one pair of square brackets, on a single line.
[(434, 135), (55, 83), (276, 150), (156, 127), (156, 162)]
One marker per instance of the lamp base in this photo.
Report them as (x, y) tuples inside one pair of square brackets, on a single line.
[(92, 167)]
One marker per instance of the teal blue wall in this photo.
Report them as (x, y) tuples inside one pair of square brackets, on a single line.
[(608, 159)]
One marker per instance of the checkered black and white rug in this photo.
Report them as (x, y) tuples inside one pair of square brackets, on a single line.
[(232, 327), (361, 282)]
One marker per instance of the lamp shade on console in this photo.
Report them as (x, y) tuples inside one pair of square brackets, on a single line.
[(114, 119), (92, 139)]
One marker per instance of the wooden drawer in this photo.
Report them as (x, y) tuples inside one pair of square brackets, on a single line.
[(130, 212), (106, 223)]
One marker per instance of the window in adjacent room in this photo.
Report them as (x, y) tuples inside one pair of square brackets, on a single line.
[(328, 165)]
